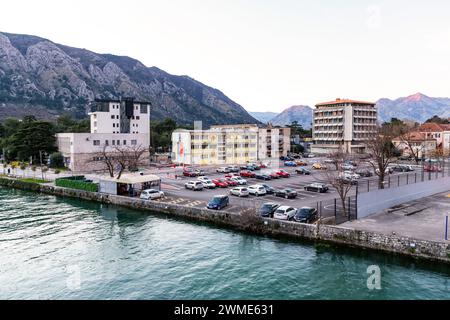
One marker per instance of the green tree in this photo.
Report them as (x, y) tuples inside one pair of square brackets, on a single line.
[(439, 120), (32, 137)]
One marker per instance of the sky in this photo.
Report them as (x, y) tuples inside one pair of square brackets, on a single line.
[(266, 55)]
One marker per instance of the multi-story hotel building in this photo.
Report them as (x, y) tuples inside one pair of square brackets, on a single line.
[(344, 124), (123, 123), (229, 144)]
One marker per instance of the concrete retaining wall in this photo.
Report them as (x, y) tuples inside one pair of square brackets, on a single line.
[(248, 222), (379, 200)]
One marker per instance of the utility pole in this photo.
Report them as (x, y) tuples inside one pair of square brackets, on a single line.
[(40, 159)]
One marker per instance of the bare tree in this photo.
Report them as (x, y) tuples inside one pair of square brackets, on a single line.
[(381, 151), (338, 180), (117, 159), (410, 141)]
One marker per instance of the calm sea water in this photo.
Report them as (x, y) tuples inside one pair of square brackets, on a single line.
[(53, 248)]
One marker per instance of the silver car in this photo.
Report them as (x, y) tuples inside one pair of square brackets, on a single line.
[(151, 194), (284, 213), (239, 192)]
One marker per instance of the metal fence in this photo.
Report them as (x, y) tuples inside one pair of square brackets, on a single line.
[(402, 179), (335, 208)]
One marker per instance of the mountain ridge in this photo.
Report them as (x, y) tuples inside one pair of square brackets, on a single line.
[(48, 79)]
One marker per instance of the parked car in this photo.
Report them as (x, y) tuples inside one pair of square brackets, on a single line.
[(188, 173), (268, 209), (151, 194), (240, 181), (405, 158), (364, 173), (194, 185), (218, 202), (317, 187), (351, 175), (262, 165), (257, 190), (301, 163), (431, 168), (284, 213), (408, 168), (274, 175), (239, 192), (247, 174), (223, 170), (386, 171), (233, 168), (290, 164), (231, 182), (220, 183), (303, 171), (287, 158), (208, 184), (286, 193), (231, 175), (306, 215), (311, 155), (269, 189), (330, 161), (203, 178), (263, 176), (319, 166), (283, 174), (348, 180), (347, 167), (199, 172)]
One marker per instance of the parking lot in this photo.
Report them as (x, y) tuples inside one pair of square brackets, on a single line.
[(173, 186)]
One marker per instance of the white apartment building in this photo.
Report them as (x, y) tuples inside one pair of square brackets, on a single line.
[(115, 124), (229, 144), (344, 124)]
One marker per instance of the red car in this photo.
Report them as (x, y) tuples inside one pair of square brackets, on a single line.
[(432, 168), (283, 174), (247, 174), (220, 183), (231, 175), (230, 182), (188, 173), (262, 166), (274, 175)]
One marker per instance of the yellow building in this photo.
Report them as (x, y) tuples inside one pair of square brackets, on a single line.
[(226, 144)]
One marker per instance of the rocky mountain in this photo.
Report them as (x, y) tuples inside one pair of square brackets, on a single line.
[(264, 117), (301, 114), (43, 78), (417, 107)]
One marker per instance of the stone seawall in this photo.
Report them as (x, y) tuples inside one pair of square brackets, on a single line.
[(430, 250)]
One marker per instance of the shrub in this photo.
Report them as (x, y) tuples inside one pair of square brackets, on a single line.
[(76, 184), (57, 171)]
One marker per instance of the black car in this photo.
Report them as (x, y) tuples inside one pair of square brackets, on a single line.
[(305, 215), (303, 171), (267, 209), (263, 177), (317, 187), (347, 180), (364, 173), (269, 189), (218, 202), (399, 169), (286, 193)]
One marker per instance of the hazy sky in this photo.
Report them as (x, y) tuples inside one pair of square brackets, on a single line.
[(265, 55)]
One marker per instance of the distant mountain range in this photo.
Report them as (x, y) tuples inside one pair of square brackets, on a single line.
[(417, 107), (301, 114), (45, 79)]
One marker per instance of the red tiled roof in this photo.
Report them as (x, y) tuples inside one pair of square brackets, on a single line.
[(414, 136), (431, 127), (339, 101)]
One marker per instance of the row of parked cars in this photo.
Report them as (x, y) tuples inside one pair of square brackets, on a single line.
[(277, 211)]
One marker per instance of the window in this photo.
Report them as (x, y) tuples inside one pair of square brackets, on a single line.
[(133, 142), (118, 142), (144, 108), (137, 117), (112, 116), (124, 142), (106, 142), (113, 142), (96, 142), (114, 125)]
